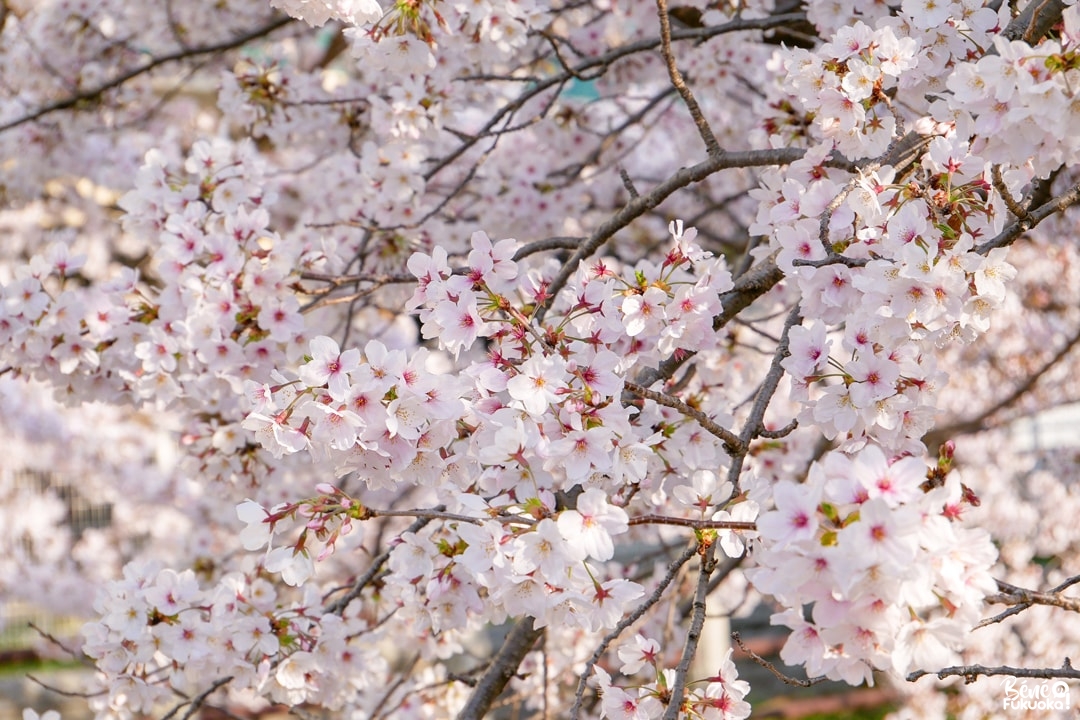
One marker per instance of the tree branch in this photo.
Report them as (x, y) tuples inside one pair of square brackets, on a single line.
[(603, 61), (1022, 598), (627, 621), (1034, 21), (697, 623), (755, 423), (972, 425), (971, 672), (196, 702), (96, 93), (514, 649), (677, 81), (642, 204), (690, 522), (1012, 232), (732, 444), (786, 679)]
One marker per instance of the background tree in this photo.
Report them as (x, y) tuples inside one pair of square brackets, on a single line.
[(550, 323)]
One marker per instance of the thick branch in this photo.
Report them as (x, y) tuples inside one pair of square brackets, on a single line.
[(514, 649), (971, 672), (1034, 21)]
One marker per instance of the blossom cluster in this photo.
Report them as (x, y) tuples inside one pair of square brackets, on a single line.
[(161, 629), (998, 97), (899, 265), (876, 549), (843, 85), (720, 696)]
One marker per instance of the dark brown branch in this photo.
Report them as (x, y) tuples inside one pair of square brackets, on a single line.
[(644, 203), (786, 679), (697, 623), (1009, 235), (755, 423), (692, 523), (732, 444), (971, 672), (1010, 202), (781, 433), (338, 606), (196, 702), (1034, 21), (1021, 599), (514, 649), (677, 81), (832, 259), (552, 243)]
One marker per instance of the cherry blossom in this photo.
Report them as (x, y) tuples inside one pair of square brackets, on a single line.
[(513, 328)]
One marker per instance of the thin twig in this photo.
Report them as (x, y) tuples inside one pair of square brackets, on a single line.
[(732, 443), (601, 63), (692, 523), (95, 93), (65, 693), (52, 638), (627, 182), (677, 81), (196, 702), (338, 606), (781, 433), (627, 621), (786, 679)]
